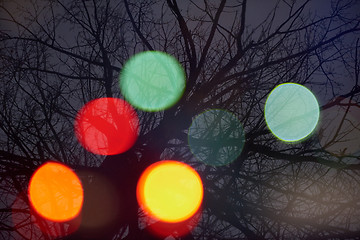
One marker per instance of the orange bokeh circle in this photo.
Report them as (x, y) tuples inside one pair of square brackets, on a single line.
[(55, 192), (170, 191)]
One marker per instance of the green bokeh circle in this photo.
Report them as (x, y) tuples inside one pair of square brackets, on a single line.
[(291, 112), (216, 137), (152, 81)]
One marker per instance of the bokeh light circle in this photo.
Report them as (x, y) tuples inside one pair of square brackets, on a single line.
[(152, 81), (30, 225), (339, 131), (176, 229), (101, 203), (55, 192), (107, 126), (170, 191), (216, 137), (291, 112)]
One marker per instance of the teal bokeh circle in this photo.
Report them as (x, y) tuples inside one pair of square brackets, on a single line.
[(291, 112), (216, 137)]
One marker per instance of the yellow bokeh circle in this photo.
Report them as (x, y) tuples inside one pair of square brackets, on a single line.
[(170, 191)]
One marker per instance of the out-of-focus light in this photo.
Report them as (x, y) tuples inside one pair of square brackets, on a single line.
[(101, 202), (170, 191), (55, 192), (339, 131), (30, 225), (163, 229), (152, 81), (216, 137), (291, 112), (107, 126)]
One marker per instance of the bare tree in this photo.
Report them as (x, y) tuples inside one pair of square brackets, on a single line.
[(58, 55)]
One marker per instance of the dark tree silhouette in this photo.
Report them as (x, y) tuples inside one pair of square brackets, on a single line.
[(58, 55)]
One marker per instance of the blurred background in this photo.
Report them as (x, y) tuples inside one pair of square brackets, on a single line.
[(56, 56)]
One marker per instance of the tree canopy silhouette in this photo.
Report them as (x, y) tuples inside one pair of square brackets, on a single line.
[(58, 55)]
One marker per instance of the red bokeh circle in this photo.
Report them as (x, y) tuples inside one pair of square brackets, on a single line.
[(107, 126), (163, 229)]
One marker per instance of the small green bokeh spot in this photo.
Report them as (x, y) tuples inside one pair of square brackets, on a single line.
[(291, 112), (216, 137), (152, 81)]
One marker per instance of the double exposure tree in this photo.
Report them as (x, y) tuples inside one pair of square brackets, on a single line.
[(58, 55)]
